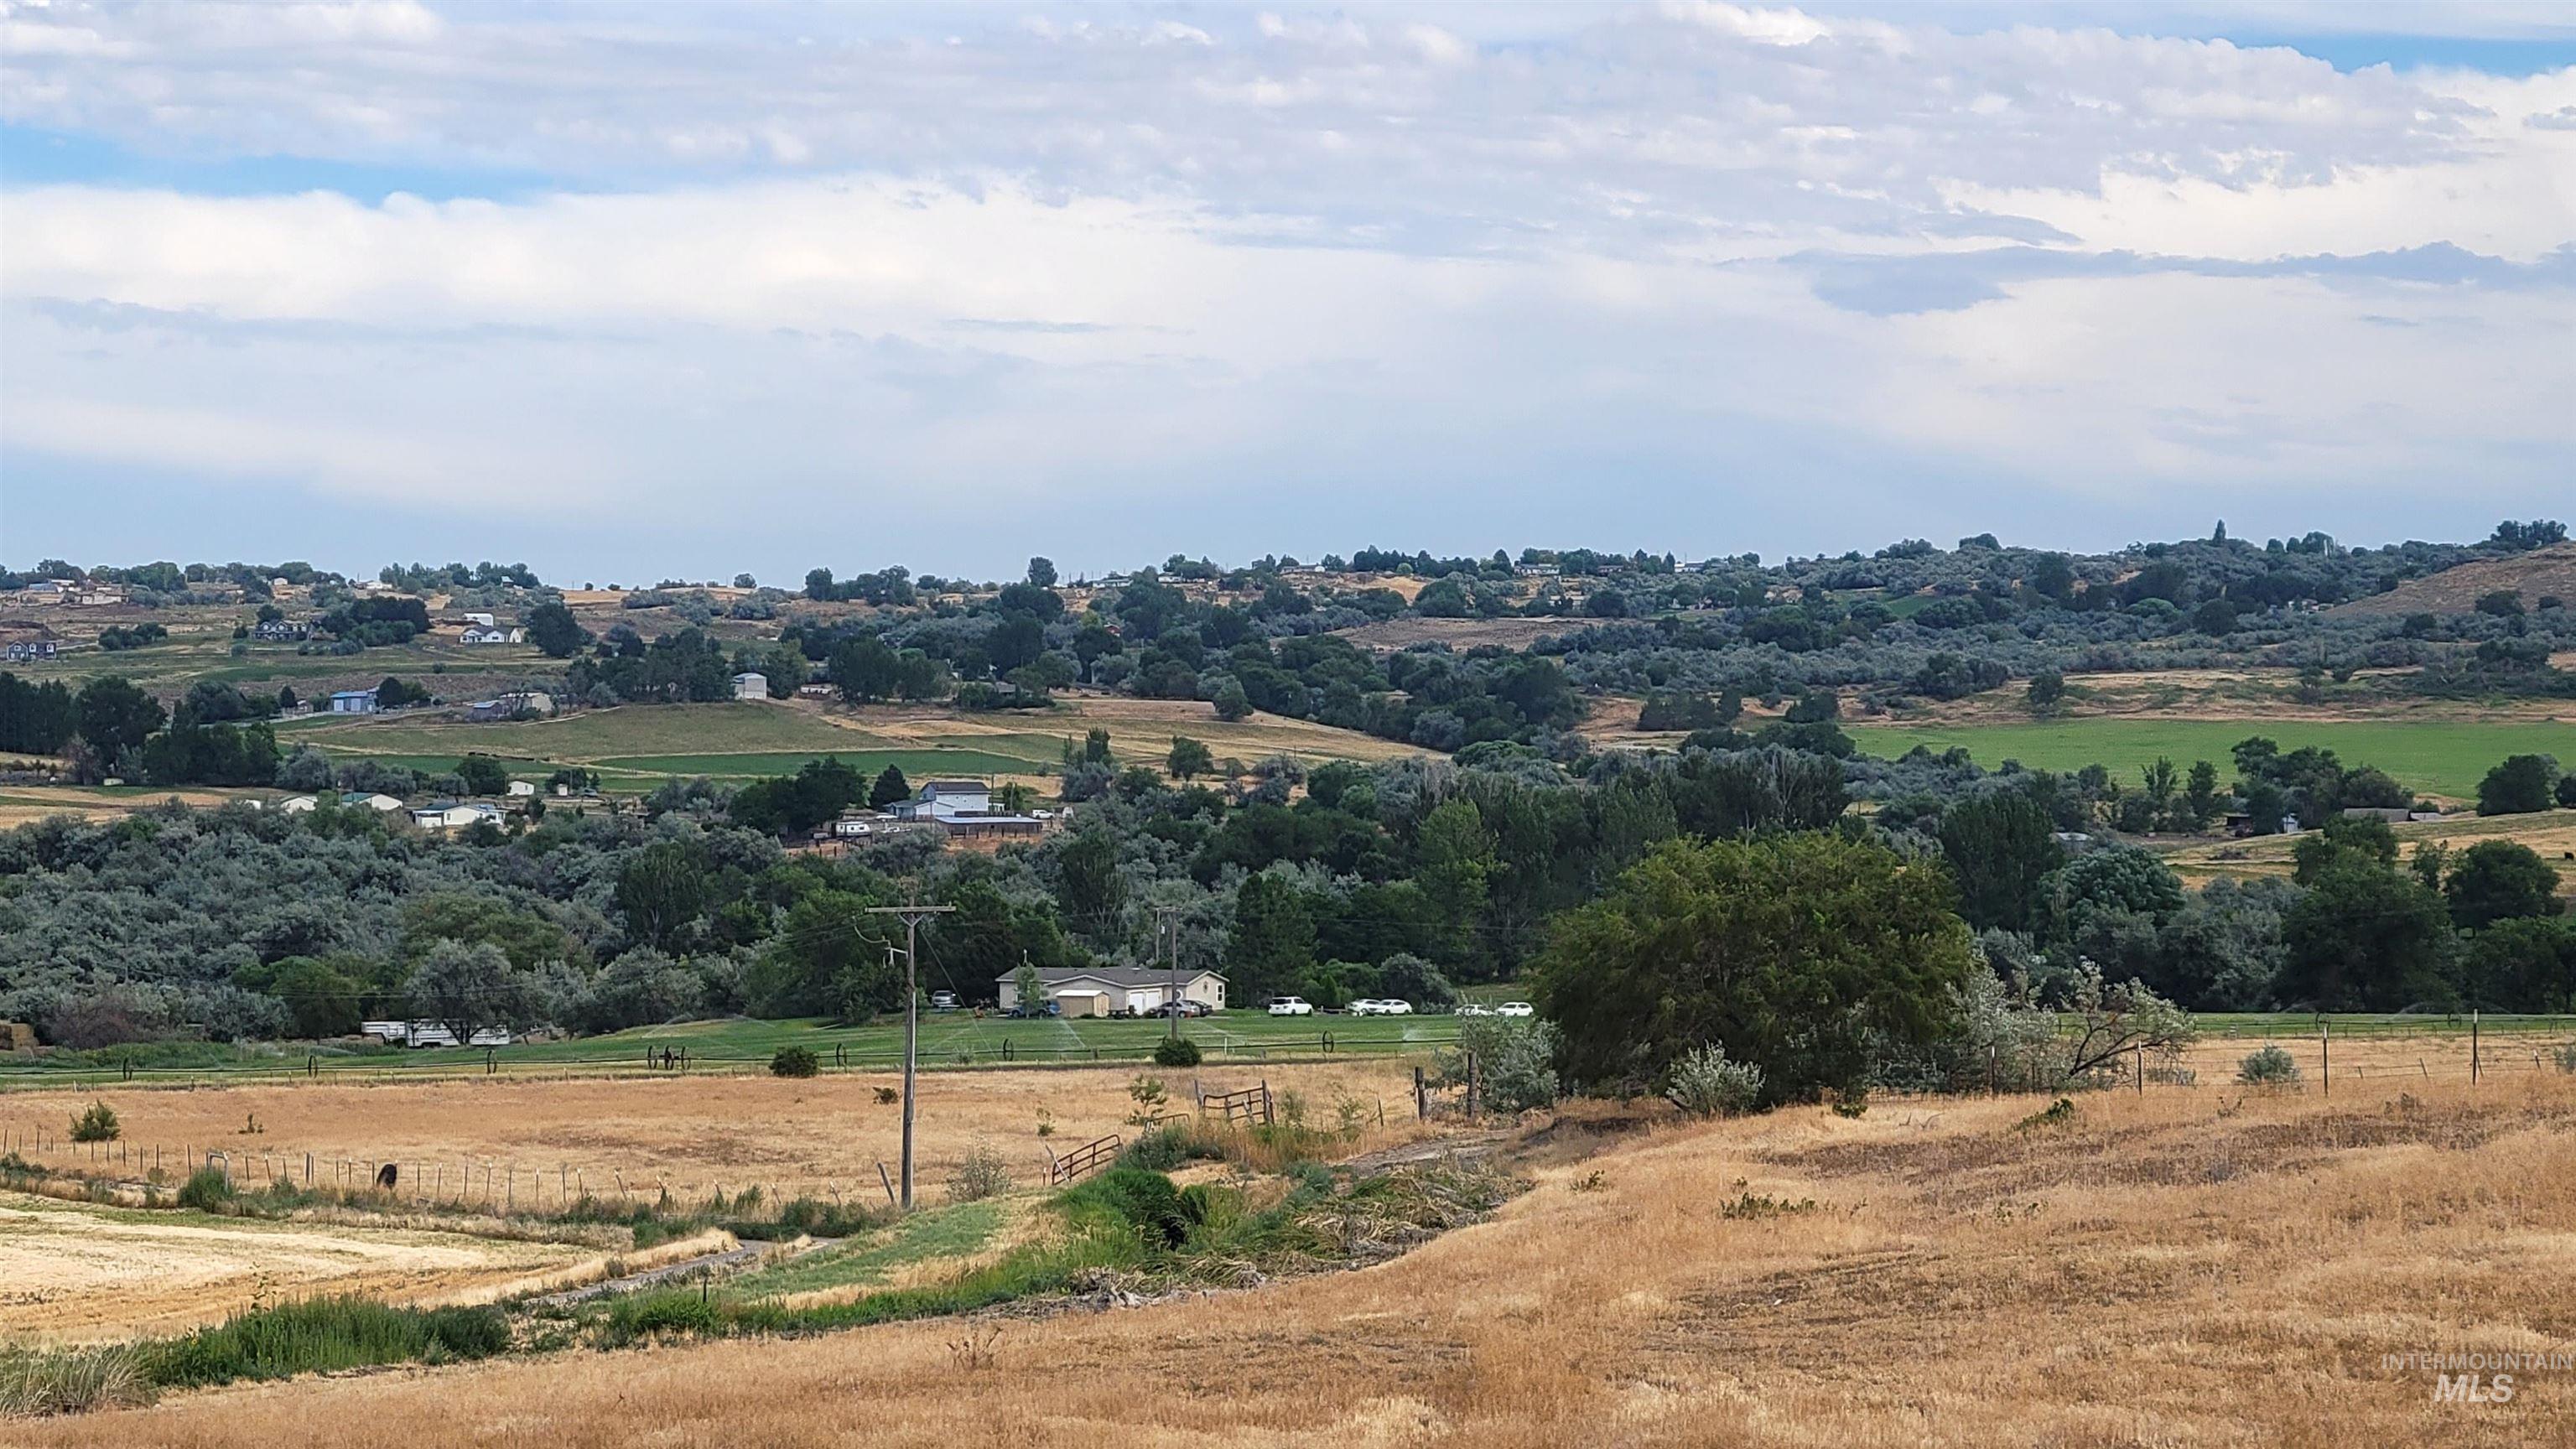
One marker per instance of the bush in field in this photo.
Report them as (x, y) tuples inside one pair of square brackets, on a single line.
[(2270, 1067), (97, 1123), (2565, 1056), (1515, 1061), (207, 1190), (1177, 1051), (1705, 1084), (795, 1061), (980, 1174)]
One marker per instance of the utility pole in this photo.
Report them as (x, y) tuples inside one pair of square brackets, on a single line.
[(912, 914), (1172, 972)]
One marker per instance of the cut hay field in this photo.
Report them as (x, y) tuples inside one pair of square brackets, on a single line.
[(2191, 1267), (81, 1272), (2445, 757)]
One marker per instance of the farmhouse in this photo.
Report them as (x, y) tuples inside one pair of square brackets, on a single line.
[(964, 808), (511, 706), (381, 804), (28, 651), (1101, 990), (298, 805), (280, 631), (492, 634), (453, 814), (751, 687), (353, 701)]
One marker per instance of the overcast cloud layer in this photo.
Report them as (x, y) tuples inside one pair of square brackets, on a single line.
[(660, 289)]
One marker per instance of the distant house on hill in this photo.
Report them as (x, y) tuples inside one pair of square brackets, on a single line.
[(492, 634), (28, 651), (280, 631), (353, 701), (751, 687)]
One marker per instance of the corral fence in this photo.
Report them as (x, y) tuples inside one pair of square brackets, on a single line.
[(1082, 1161), (1249, 1107)]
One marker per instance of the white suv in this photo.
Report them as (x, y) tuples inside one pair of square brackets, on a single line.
[(1515, 1008), (1290, 1006), (1387, 1006)]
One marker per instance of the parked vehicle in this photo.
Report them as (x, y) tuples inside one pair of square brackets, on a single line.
[(1380, 1006), (1186, 1006), (1026, 1010), (1290, 1006), (1515, 1008), (943, 1001), (1475, 1008)]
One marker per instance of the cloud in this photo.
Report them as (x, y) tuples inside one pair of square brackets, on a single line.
[(1681, 271)]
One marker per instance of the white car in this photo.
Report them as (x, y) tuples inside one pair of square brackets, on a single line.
[(1380, 1006), (1290, 1006), (1475, 1008), (1515, 1008)]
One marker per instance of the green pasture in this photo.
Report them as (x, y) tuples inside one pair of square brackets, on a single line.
[(2438, 757)]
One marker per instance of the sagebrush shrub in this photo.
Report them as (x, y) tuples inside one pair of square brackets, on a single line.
[(1705, 1084), (1177, 1051), (795, 1061), (980, 1174), (2269, 1067)]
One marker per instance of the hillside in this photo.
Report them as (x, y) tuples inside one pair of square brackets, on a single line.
[(2541, 573)]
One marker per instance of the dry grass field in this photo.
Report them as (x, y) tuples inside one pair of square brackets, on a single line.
[(2186, 1268), (691, 1135), (2552, 833), (75, 1273)]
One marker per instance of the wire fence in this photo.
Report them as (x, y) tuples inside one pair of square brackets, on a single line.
[(668, 1060)]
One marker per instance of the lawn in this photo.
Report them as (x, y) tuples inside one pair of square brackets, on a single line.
[(947, 1039), (915, 764), (2437, 757)]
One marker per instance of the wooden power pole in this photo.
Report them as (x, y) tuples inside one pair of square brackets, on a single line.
[(912, 913)]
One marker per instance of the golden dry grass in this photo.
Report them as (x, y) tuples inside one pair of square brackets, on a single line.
[(692, 1135), (70, 1273), (2189, 1268), (2552, 833)]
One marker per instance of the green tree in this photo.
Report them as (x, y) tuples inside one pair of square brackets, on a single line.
[(1189, 759), (1095, 747), (2047, 688), (2498, 880), (2517, 787), (2000, 847), (483, 775), (552, 628), (1028, 988), (466, 988), (1455, 867), (1088, 886), (116, 716), (1273, 941), (2366, 938), (321, 1001), (2200, 794), (1042, 572), (1807, 955), (866, 668), (891, 788), (2366, 838), (2525, 963), (662, 891)]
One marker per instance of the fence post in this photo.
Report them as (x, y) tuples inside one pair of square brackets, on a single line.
[(2473, 1048), (889, 1182), (1475, 1086), (1421, 1101), (2325, 1056)]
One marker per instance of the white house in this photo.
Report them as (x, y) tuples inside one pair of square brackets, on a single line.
[(937, 799), (1099, 990), (491, 634), (297, 805), (520, 789), (353, 701), (454, 814), (751, 687), (381, 804)]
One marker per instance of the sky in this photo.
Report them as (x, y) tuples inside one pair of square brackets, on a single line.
[(675, 290)]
